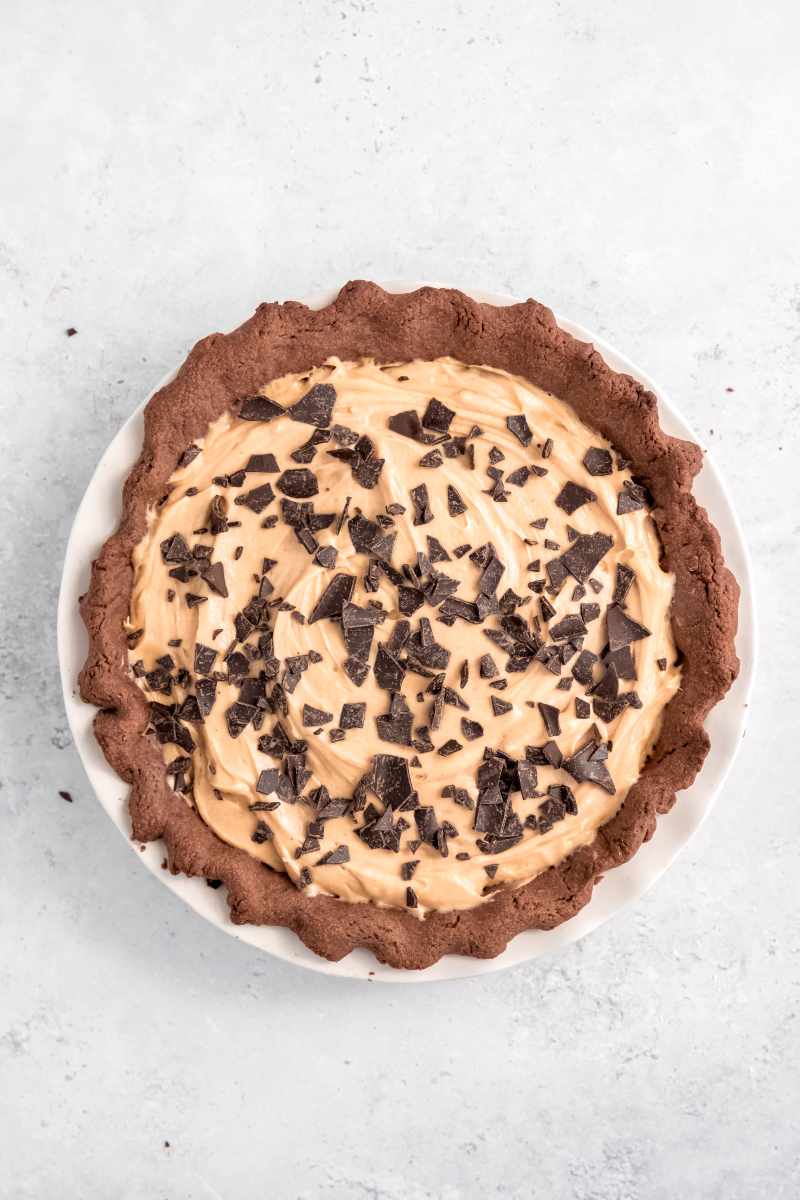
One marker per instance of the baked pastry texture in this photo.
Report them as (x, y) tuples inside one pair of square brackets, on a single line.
[(428, 324)]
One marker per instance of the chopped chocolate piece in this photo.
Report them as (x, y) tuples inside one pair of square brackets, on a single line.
[(550, 716), (206, 690), (487, 667), (528, 778), (316, 407), (312, 717), (257, 499), (336, 595), (432, 459), (356, 670), (411, 898), (589, 612), (451, 696), (303, 879), (388, 671), (408, 424), (582, 667), (363, 533), (661, 663), (437, 416), (546, 609), (582, 709), (519, 477), (547, 448), (490, 576), (408, 868), (622, 629), (238, 717), (622, 662), (463, 674), (262, 833), (214, 576), (423, 513), (570, 627), (623, 580), (217, 518), (436, 551), (495, 455), (520, 429), (366, 472), (585, 553), (491, 870), (334, 858), (352, 716), (552, 754), (259, 408), (585, 768), (551, 545), (471, 729), (325, 556), (175, 549), (500, 707), (556, 574), (455, 505), (336, 734), (608, 710), (460, 551), (262, 464), (297, 482), (395, 726), (632, 498), (450, 747), (598, 461), (267, 781)]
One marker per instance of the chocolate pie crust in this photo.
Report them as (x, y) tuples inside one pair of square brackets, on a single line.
[(365, 321)]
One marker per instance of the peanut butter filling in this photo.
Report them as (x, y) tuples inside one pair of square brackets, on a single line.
[(593, 694)]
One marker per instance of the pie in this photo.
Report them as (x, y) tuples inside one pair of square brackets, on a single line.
[(411, 624)]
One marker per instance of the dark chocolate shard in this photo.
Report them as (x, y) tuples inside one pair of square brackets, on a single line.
[(598, 461), (585, 768), (262, 464), (298, 482), (314, 717), (582, 667), (395, 726), (585, 553), (408, 424), (550, 716), (423, 513), (334, 858), (471, 729), (352, 716), (259, 408), (632, 498), (238, 717), (175, 549), (432, 459), (623, 581), (437, 416), (258, 499), (204, 657), (500, 707), (436, 551), (622, 629), (411, 898), (316, 407), (214, 576), (455, 505), (336, 595), (326, 556), (366, 472), (356, 670), (388, 671), (573, 496), (520, 429), (519, 477), (568, 628), (363, 533), (450, 747)]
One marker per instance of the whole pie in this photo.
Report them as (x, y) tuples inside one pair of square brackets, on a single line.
[(411, 623)]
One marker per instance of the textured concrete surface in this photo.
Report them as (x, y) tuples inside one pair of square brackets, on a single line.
[(165, 168)]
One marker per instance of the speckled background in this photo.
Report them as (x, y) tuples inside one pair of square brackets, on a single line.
[(167, 166)]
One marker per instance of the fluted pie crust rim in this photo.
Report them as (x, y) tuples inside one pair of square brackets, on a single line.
[(522, 339)]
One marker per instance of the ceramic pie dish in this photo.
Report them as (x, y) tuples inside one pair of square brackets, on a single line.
[(463, 810)]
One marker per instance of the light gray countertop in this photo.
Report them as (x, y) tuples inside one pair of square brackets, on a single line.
[(165, 168)]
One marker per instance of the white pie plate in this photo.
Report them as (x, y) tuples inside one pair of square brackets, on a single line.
[(97, 518)]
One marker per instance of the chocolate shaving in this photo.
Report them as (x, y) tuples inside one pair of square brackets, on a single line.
[(455, 505), (423, 513), (257, 499), (573, 496), (622, 629), (581, 558), (297, 482), (334, 858)]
